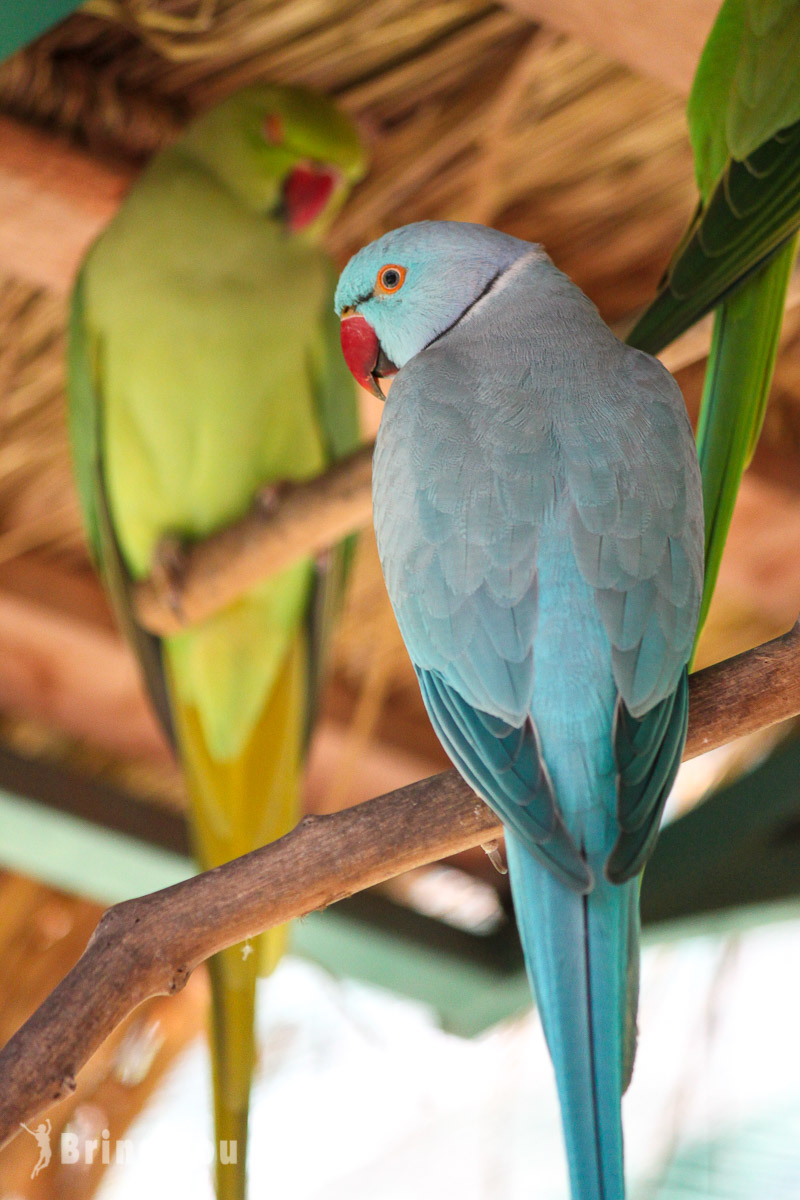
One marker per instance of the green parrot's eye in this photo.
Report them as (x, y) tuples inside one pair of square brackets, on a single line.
[(272, 129), (391, 278)]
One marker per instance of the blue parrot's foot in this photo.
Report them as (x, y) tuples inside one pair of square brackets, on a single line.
[(169, 569), (492, 850)]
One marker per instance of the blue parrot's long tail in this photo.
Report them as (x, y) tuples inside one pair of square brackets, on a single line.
[(582, 959)]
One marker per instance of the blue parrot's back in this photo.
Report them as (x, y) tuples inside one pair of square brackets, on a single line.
[(539, 521)]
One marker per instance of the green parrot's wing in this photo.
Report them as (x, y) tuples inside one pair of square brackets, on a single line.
[(84, 417), (85, 428), (337, 413), (744, 122), (334, 390)]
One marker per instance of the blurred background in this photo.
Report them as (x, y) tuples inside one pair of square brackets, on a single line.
[(397, 1053)]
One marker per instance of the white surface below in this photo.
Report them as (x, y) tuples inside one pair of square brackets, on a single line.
[(360, 1096)]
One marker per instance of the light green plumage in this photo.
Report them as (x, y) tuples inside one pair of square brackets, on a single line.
[(203, 366), (744, 123)]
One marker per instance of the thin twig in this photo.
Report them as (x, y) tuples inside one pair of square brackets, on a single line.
[(150, 946)]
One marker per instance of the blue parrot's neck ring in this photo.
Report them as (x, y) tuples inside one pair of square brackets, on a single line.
[(481, 296)]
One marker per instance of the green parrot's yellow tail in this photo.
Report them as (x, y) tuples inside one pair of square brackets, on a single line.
[(233, 994), (236, 806)]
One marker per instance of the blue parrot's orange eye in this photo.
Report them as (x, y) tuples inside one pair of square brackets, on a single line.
[(390, 278), (272, 129)]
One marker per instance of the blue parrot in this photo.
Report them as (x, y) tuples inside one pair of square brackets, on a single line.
[(538, 511)]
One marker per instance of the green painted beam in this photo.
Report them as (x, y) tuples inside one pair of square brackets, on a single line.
[(80, 856), (737, 851), (21, 21), (468, 996)]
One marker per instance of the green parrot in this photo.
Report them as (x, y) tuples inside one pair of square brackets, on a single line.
[(204, 363), (744, 124)]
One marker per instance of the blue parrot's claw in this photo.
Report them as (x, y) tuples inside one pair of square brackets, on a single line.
[(492, 850)]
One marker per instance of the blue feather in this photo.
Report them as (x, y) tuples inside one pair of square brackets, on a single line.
[(577, 950)]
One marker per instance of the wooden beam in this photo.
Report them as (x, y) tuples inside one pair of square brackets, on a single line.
[(54, 200), (64, 665), (649, 36)]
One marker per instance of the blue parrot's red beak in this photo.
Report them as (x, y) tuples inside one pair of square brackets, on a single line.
[(306, 192), (363, 353)]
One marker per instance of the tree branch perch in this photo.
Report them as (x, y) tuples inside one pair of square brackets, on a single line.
[(150, 946), (305, 518)]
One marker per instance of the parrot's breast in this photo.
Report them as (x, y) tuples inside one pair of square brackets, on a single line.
[(206, 387)]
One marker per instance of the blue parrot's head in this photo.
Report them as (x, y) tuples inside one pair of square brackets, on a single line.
[(404, 290)]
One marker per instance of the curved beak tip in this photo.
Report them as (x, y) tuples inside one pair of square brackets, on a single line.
[(363, 353)]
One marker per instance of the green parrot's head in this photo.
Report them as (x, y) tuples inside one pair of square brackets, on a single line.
[(284, 151)]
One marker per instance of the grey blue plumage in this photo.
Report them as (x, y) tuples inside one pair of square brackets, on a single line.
[(539, 520)]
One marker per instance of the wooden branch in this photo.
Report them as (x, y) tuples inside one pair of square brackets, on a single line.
[(54, 200), (302, 519), (150, 946), (746, 693)]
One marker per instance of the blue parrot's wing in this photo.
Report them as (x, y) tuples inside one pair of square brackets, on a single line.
[(637, 534), (648, 753), (637, 528), (458, 515), (503, 763)]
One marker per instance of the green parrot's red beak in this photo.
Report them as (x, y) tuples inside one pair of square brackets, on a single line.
[(363, 353), (306, 192)]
